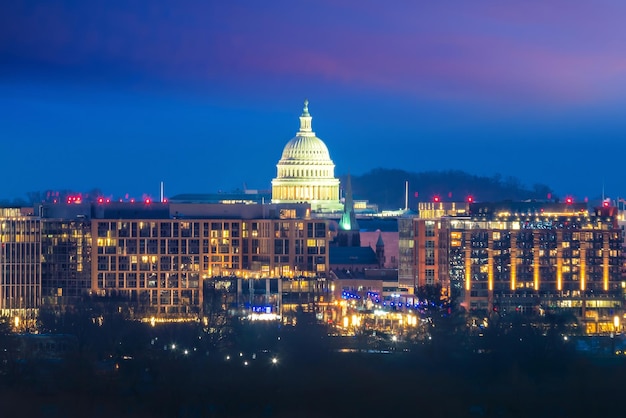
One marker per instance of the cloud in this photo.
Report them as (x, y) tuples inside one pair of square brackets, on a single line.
[(560, 53)]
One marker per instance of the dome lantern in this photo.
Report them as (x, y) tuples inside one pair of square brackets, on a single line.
[(305, 120)]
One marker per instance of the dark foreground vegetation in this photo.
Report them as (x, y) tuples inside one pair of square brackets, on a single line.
[(266, 370), (323, 385)]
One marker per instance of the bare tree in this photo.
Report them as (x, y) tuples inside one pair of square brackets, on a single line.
[(216, 321)]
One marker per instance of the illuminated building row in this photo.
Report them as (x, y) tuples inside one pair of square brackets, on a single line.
[(158, 256), (163, 262), (504, 255)]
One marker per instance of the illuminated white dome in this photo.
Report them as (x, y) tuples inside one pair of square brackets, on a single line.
[(305, 171), (306, 148)]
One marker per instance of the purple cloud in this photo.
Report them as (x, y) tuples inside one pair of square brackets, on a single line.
[(558, 52)]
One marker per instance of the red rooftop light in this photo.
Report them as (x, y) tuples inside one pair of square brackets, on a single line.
[(74, 199), (147, 201), (470, 199), (569, 200), (606, 203), (436, 199)]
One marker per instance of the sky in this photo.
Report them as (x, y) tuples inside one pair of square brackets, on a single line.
[(203, 95)]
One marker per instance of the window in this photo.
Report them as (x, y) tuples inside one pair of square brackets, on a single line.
[(430, 276)]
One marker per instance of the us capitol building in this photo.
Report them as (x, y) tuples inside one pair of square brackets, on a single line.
[(305, 171)]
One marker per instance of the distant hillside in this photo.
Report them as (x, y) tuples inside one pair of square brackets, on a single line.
[(386, 187)]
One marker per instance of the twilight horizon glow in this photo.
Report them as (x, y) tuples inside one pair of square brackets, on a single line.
[(204, 95)]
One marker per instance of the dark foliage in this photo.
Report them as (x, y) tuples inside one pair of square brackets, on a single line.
[(430, 293), (386, 187), (511, 370)]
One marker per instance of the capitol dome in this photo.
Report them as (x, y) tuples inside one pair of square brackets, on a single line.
[(307, 148), (305, 172)]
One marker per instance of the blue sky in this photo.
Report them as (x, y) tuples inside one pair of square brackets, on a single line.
[(203, 95)]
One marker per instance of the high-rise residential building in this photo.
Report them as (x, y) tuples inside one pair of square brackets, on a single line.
[(66, 253), (407, 270), (20, 265), (526, 256)]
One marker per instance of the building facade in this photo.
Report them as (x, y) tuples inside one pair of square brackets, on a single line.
[(66, 259), (161, 263), (407, 270), (526, 256), (20, 266)]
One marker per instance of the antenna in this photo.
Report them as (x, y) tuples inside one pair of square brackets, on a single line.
[(603, 189), (161, 192), (406, 195)]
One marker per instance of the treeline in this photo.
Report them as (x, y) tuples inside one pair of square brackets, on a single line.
[(35, 198), (386, 187), (166, 371)]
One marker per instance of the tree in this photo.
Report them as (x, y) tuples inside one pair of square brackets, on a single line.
[(34, 198), (217, 324), (430, 292)]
